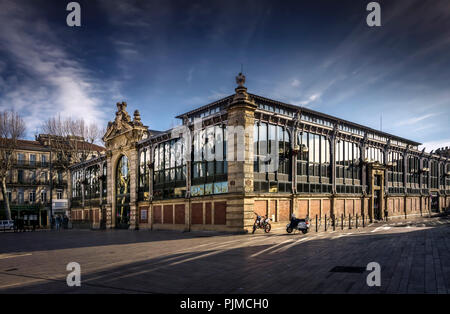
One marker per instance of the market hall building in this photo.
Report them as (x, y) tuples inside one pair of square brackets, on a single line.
[(326, 167)]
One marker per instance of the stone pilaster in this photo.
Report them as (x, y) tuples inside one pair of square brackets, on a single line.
[(241, 119), (109, 197), (134, 176)]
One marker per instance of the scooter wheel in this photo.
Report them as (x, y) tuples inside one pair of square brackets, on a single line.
[(267, 228), (305, 231), (289, 230)]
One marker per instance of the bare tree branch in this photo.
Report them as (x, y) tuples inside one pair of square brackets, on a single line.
[(12, 128)]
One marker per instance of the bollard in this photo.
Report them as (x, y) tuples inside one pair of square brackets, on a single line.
[(356, 221), (316, 224), (363, 220), (349, 221), (342, 221), (334, 223), (325, 222)]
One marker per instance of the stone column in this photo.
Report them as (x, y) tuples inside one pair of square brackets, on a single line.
[(134, 176), (110, 221), (294, 142), (241, 116)]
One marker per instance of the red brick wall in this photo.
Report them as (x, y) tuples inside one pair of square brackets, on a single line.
[(157, 214), (197, 213), (326, 208), (408, 205), (349, 210), (273, 208), (339, 207), (208, 213), (220, 213), (358, 207), (390, 206), (314, 208), (168, 214), (284, 210), (180, 216), (260, 208), (302, 209)]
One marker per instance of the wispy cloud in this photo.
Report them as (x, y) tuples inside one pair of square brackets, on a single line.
[(46, 79), (415, 120)]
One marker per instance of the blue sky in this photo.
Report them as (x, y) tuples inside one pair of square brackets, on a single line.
[(168, 57)]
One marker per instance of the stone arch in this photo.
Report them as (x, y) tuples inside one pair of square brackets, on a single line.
[(116, 159)]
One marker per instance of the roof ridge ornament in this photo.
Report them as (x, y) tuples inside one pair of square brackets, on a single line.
[(241, 96), (240, 80)]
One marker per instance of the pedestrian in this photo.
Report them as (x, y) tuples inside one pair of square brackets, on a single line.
[(66, 222), (20, 225), (58, 222)]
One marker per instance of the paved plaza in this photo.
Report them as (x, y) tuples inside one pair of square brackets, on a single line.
[(414, 255)]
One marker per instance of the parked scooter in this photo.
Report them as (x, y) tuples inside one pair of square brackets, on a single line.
[(298, 224), (262, 223)]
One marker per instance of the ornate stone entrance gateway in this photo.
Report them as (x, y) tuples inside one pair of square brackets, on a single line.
[(246, 154), (120, 139)]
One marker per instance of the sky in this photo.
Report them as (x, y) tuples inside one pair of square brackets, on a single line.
[(167, 57)]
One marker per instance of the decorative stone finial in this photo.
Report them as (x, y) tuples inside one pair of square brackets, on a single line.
[(137, 118), (240, 80), (121, 106), (241, 97)]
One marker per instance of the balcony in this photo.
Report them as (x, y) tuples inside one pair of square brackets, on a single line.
[(60, 183), (27, 182), (30, 164)]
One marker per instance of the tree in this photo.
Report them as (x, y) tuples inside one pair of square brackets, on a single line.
[(12, 128), (71, 139)]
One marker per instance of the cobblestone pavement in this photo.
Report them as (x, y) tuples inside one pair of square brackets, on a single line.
[(414, 256)]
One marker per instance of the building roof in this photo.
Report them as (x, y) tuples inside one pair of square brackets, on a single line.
[(40, 146), (303, 110)]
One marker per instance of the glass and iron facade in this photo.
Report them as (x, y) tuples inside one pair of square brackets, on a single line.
[(296, 154)]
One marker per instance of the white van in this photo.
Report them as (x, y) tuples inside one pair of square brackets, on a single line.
[(6, 225)]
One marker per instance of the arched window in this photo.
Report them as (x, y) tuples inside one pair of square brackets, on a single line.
[(144, 158), (92, 186), (395, 172), (169, 175), (105, 180), (425, 173), (374, 154), (413, 175), (434, 175), (313, 163), (272, 155), (122, 193), (209, 161)]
